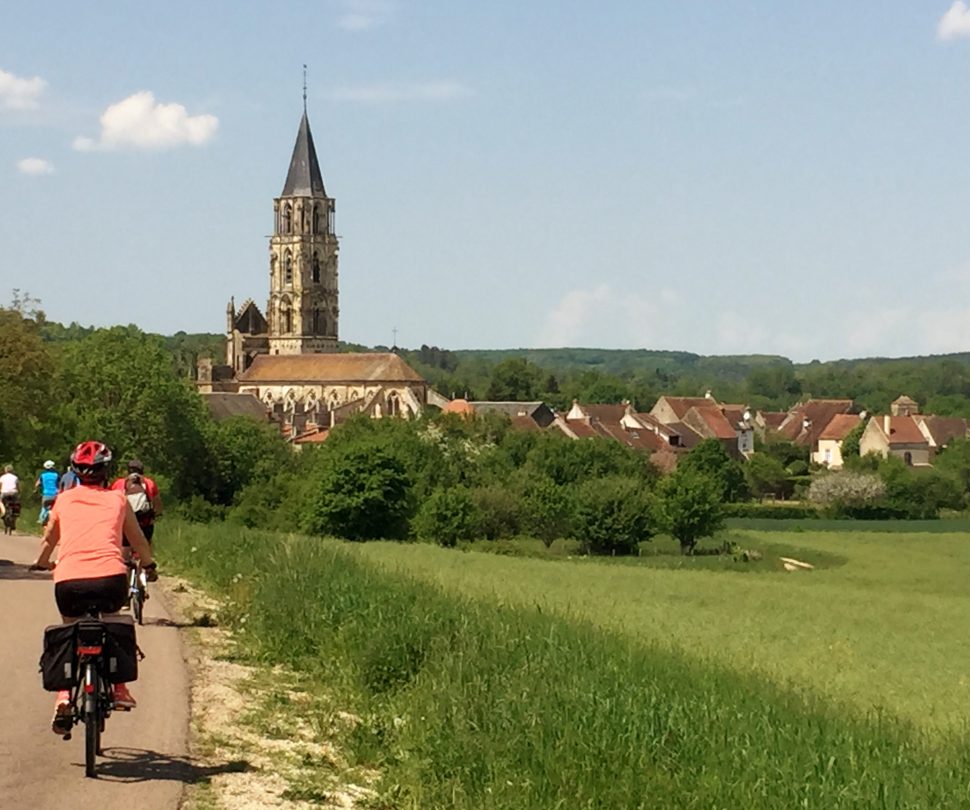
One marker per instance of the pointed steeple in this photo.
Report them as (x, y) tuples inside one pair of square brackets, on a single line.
[(304, 178)]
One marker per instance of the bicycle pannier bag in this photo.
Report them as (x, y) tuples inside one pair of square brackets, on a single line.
[(58, 661), (120, 650)]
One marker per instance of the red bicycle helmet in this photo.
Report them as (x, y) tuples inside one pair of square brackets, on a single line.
[(90, 462)]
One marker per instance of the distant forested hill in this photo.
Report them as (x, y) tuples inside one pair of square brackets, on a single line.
[(940, 383)]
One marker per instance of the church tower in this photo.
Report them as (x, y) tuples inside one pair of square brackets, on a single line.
[(302, 312)]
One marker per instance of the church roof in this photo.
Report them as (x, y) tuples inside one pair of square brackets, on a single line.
[(329, 368), (304, 178)]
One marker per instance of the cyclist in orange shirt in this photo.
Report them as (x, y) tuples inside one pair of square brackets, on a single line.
[(88, 522)]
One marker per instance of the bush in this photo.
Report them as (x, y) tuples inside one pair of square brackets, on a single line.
[(548, 511), (446, 517), (849, 494), (499, 511), (361, 493), (613, 515)]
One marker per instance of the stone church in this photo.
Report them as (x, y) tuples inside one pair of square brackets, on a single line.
[(288, 358)]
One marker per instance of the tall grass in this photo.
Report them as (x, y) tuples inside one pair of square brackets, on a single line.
[(465, 704)]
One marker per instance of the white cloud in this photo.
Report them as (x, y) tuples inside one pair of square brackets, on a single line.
[(140, 122), (17, 93), (443, 90), (601, 316), (362, 15), (955, 23), (32, 165)]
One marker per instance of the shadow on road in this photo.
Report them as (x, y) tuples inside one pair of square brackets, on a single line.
[(11, 570), (141, 765)]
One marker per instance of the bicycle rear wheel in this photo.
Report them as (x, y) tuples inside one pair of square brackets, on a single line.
[(136, 596), (92, 720)]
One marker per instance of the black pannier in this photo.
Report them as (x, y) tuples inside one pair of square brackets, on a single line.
[(59, 661), (120, 649)]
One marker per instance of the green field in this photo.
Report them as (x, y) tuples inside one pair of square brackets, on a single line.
[(885, 627), (494, 681)]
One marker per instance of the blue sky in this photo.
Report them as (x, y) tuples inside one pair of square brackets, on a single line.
[(719, 177)]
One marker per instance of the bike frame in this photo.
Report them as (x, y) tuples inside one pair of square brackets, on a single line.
[(91, 699)]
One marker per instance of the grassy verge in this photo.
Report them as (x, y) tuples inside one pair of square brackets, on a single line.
[(469, 705)]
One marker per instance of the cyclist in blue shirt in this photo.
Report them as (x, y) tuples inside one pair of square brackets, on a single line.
[(47, 483)]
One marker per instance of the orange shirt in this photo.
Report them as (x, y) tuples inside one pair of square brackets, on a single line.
[(90, 521)]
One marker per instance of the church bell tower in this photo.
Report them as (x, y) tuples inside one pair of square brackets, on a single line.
[(302, 312)]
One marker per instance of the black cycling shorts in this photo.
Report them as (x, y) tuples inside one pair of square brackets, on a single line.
[(148, 531), (75, 597)]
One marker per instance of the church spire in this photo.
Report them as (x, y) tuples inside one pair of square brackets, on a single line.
[(304, 178)]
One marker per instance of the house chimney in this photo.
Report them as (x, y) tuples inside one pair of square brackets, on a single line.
[(886, 425), (708, 394)]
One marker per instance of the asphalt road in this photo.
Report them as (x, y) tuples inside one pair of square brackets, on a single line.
[(145, 763)]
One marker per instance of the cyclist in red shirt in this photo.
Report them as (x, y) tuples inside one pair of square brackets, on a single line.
[(142, 493), (88, 523)]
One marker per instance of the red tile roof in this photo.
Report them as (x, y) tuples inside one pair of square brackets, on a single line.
[(680, 405), (717, 425), (840, 426), (944, 429), (902, 430)]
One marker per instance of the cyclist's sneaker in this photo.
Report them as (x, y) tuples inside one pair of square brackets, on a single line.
[(123, 700), (61, 724)]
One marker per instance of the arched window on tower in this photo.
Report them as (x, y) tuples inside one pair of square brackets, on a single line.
[(316, 219), (317, 321), (272, 271), (288, 269), (316, 269), (393, 404), (287, 218), (286, 318)]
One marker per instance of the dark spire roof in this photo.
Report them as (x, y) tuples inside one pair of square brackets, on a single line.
[(304, 178)]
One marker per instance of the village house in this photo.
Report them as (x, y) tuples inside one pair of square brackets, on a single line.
[(705, 418), (829, 447), (909, 435)]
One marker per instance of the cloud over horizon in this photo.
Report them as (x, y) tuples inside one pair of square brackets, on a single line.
[(35, 166), (141, 122), (440, 90), (362, 15), (18, 93), (602, 316), (955, 23)]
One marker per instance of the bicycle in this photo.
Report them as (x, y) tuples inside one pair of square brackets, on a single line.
[(137, 590), (11, 511), (77, 660)]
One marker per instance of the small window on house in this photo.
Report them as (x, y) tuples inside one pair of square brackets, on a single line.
[(908, 458)]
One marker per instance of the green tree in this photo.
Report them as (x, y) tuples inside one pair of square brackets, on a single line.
[(955, 461), (766, 476), (241, 451), (119, 386), (26, 367), (548, 510), (711, 459), (360, 493), (850, 444), (447, 517), (514, 380), (612, 515), (689, 506)]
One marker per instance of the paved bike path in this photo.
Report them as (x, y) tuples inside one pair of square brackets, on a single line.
[(145, 762)]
